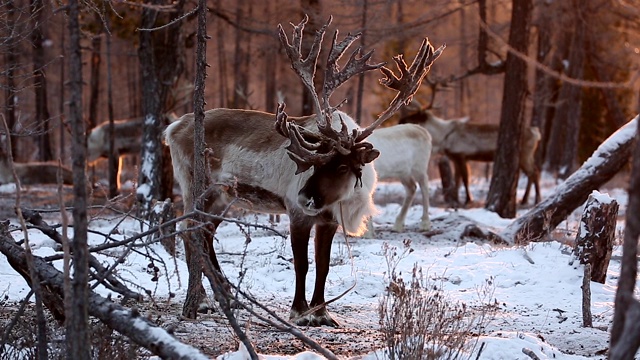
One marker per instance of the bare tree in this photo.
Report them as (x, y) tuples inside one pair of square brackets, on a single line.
[(502, 191), (78, 319)]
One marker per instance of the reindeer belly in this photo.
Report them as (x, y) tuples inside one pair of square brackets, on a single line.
[(255, 198)]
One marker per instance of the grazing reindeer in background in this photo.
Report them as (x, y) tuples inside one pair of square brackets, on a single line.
[(404, 155), (461, 141), (316, 168), (30, 173), (127, 140)]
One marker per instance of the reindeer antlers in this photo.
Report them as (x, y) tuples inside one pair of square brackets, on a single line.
[(407, 84), (330, 141)]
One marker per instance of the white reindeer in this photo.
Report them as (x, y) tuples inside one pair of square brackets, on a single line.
[(317, 168), (461, 141), (404, 155)]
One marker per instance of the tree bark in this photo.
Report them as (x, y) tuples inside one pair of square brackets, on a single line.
[(596, 234), (78, 321), (502, 191), (610, 157), (625, 331)]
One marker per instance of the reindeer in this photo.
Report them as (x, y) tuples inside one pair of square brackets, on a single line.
[(461, 141), (317, 169), (126, 141), (33, 173), (404, 155)]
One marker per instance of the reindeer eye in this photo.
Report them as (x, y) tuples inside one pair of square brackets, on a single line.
[(343, 169)]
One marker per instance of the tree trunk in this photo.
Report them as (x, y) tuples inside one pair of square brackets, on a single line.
[(193, 242), (241, 59), (94, 81), (222, 64), (449, 189), (40, 82), (313, 8), (543, 94), (625, 331), (596, 234), (11, 63), (549, 144), (151, 152), (270, 65), (62, 128), (113, 157), (566, 122), (502, 191), (570, 100), (78, 321), (361, 78), (610, 157)]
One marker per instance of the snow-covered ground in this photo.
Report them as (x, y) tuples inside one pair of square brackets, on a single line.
[(535, 289)]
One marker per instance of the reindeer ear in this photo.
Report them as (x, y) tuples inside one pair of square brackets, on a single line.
[(368, 155)]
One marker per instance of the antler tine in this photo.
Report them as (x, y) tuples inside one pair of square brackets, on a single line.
[(305, 68), (407, 84), (334, 77), (302, 152)]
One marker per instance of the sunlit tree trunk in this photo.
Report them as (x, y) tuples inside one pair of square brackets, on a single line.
[(78, 319), (502, 191)]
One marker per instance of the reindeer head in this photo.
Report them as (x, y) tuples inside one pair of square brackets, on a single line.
[(337, 153)]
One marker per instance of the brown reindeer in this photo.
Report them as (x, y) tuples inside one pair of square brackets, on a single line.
[(317, 169), (461, 141)]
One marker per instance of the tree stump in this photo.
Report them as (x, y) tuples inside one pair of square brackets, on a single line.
[(449, 189), (594, 242)]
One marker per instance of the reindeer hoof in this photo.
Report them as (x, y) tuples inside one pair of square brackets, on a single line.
[(319, 318)]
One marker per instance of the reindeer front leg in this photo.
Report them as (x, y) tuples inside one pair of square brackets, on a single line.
[(323, 241), (300, 233)]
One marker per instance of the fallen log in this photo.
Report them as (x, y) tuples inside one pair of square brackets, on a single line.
[(608, 159), (119, 318)]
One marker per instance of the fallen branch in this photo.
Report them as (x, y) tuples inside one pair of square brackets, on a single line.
[(114, 284), (119, 318)]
